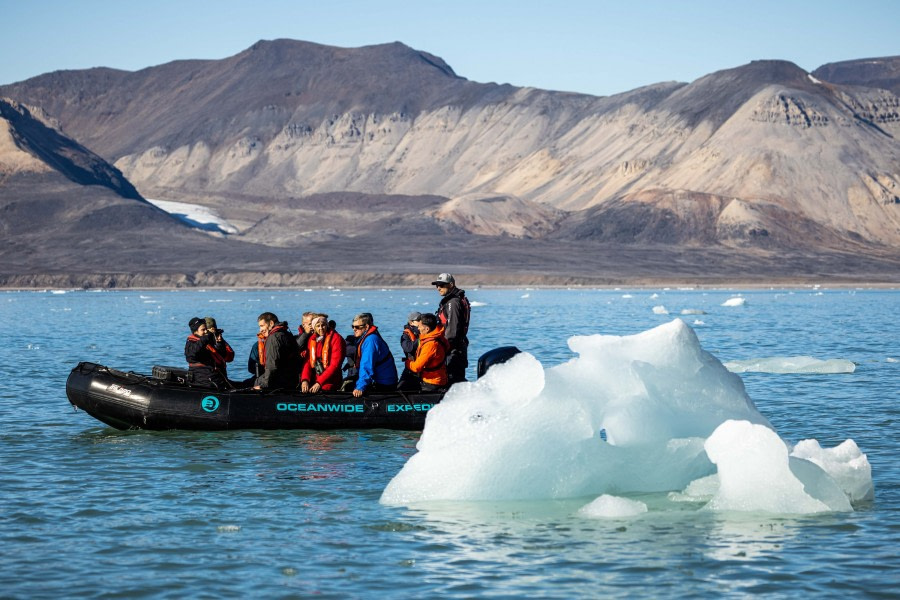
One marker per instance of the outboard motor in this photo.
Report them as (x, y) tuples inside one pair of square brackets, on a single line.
[(495, 357)]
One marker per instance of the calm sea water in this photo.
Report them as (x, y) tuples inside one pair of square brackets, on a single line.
[(89, 511)]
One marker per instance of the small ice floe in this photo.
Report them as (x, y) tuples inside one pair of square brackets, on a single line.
[(791, 364), (893, 360), (525, 296), (736, 301), (699, 322), (476, 303), (57, 291), (654, 296), (612, 507), (660, 310), (693, 311), (627, 296), (228, 528)]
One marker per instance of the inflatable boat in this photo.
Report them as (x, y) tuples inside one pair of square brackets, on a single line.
[(168, 400)]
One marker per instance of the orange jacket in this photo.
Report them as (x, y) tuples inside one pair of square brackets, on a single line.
[(429, 360)]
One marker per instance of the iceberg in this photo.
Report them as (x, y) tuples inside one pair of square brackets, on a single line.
[(646, 413)]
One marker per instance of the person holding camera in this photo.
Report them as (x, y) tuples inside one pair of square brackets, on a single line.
[(204, 361)]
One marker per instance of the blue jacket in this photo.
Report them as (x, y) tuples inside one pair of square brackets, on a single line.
[(375, 361)]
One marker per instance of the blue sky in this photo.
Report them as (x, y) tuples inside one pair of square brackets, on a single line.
[(594, 47)]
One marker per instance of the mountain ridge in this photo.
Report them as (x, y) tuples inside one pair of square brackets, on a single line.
[(294, 142)]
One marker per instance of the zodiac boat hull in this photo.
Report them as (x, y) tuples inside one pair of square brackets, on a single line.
[(134, 401)]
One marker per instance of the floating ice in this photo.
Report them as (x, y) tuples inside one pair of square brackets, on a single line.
[(612, 507), (756, 474), (791, 364), (844, 463), (735, 302), (477, 303), (651, 412), (525, 432), (693, 311), (660, 310)]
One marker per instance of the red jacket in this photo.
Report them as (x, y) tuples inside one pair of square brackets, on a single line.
[(329, 352)]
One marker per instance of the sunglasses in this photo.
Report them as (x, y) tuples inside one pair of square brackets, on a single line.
[(358, 326)]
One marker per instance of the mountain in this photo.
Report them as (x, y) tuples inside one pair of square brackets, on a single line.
[(303, 146), (881, 73)]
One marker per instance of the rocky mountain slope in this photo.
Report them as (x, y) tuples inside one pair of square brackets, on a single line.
[(304, 145)]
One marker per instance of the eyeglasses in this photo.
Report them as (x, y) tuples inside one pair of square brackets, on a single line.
[(442, 285), (358, 326)]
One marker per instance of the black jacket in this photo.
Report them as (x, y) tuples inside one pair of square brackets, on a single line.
[(453, 312), (409, 341), (196, 351), (282, 360)]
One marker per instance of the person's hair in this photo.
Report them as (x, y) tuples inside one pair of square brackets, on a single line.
[(267, 317), (428, 320), (365, 318), (309, 313)]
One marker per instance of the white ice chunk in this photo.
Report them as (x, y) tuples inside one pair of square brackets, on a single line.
[(738, 301), (756, 474), (845, 463), (660, 310), (791, 364), (693, 311), (699, 490), (612, 507), (525, 432)]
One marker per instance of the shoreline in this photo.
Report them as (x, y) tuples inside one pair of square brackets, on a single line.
[(332, 280)]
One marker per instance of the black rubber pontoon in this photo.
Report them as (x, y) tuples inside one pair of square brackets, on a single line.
[(134, 401)]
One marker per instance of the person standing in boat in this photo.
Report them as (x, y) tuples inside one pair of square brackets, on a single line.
[(409, 341), (280, 355), (221, 347), (325, 355), (428, 365), (202, 357), (453, 313), (377, 371)]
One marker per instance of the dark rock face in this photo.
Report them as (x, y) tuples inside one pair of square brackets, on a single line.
[(881, 73), (61, 153)]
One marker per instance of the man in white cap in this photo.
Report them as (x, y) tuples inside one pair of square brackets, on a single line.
[(453, 313)]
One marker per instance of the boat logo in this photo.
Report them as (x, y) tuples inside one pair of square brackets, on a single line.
[(118, 389), (210, 404)]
